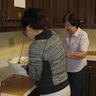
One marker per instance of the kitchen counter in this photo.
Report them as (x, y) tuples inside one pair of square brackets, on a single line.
[(5, 94), (17, 85), (91, 58)]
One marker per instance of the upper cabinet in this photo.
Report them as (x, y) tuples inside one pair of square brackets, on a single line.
[(10, 16), (93, 14), (83, 12), (60, 8), (0, 14), (38, 3), (78, 7), (47, 10), (53, 11), (46, 7)]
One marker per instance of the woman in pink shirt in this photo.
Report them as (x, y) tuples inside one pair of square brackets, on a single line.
[(76, 43)]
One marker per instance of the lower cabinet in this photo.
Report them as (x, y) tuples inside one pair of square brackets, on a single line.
[(89, 87)]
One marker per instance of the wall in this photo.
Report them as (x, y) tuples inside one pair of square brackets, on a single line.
[(6, 50)]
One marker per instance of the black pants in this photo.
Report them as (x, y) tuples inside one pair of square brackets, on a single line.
[(35, 92), (76, 81)]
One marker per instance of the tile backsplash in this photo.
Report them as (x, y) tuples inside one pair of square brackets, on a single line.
[(6, 50)]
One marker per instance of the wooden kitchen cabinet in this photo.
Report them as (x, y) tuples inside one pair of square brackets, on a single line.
[(83, 11), (46, 7), (38, 4), (92, 85), (93, 16), (0, 14), (80, 8), (10, 15), (91, 91), (60, 8), (53, 11), (89, 87)]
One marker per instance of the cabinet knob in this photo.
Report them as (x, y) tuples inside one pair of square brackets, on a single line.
[(47, 19), (19, 15), (81, 21), (90, 67)]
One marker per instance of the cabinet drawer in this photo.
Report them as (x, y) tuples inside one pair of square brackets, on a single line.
[(92, 65)]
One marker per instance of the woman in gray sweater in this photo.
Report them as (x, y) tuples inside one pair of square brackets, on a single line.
[(47, 60)]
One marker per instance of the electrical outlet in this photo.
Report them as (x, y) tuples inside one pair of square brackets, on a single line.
[(11, 42)]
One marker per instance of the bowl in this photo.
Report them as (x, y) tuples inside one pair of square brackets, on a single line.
[(13, 62)]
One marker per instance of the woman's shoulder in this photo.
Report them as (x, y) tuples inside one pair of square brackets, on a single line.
[(82, 32)]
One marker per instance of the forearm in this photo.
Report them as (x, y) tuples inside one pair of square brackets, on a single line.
[(77, 55)]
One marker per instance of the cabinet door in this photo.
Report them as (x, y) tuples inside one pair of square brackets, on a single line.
[(89, 86), (47, 11), (46, 7), (38, 4), (1, 13), (83, 11), (60, 8), (12, 15), (93, 20), (92, 85)]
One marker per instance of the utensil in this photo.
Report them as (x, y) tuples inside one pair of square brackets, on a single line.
[(21, 53)]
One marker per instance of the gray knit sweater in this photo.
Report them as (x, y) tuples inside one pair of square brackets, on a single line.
[(47, 62)]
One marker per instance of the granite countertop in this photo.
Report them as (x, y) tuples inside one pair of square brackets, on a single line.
[(91, 57)]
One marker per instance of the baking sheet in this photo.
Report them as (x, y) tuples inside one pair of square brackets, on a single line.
[(17, 85)]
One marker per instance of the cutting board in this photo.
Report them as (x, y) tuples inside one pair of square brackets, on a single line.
[(17, 85)]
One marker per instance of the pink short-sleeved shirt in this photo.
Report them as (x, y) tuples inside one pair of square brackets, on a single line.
[(78, 42)]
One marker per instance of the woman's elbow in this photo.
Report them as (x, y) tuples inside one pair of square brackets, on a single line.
[(84, 55)]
